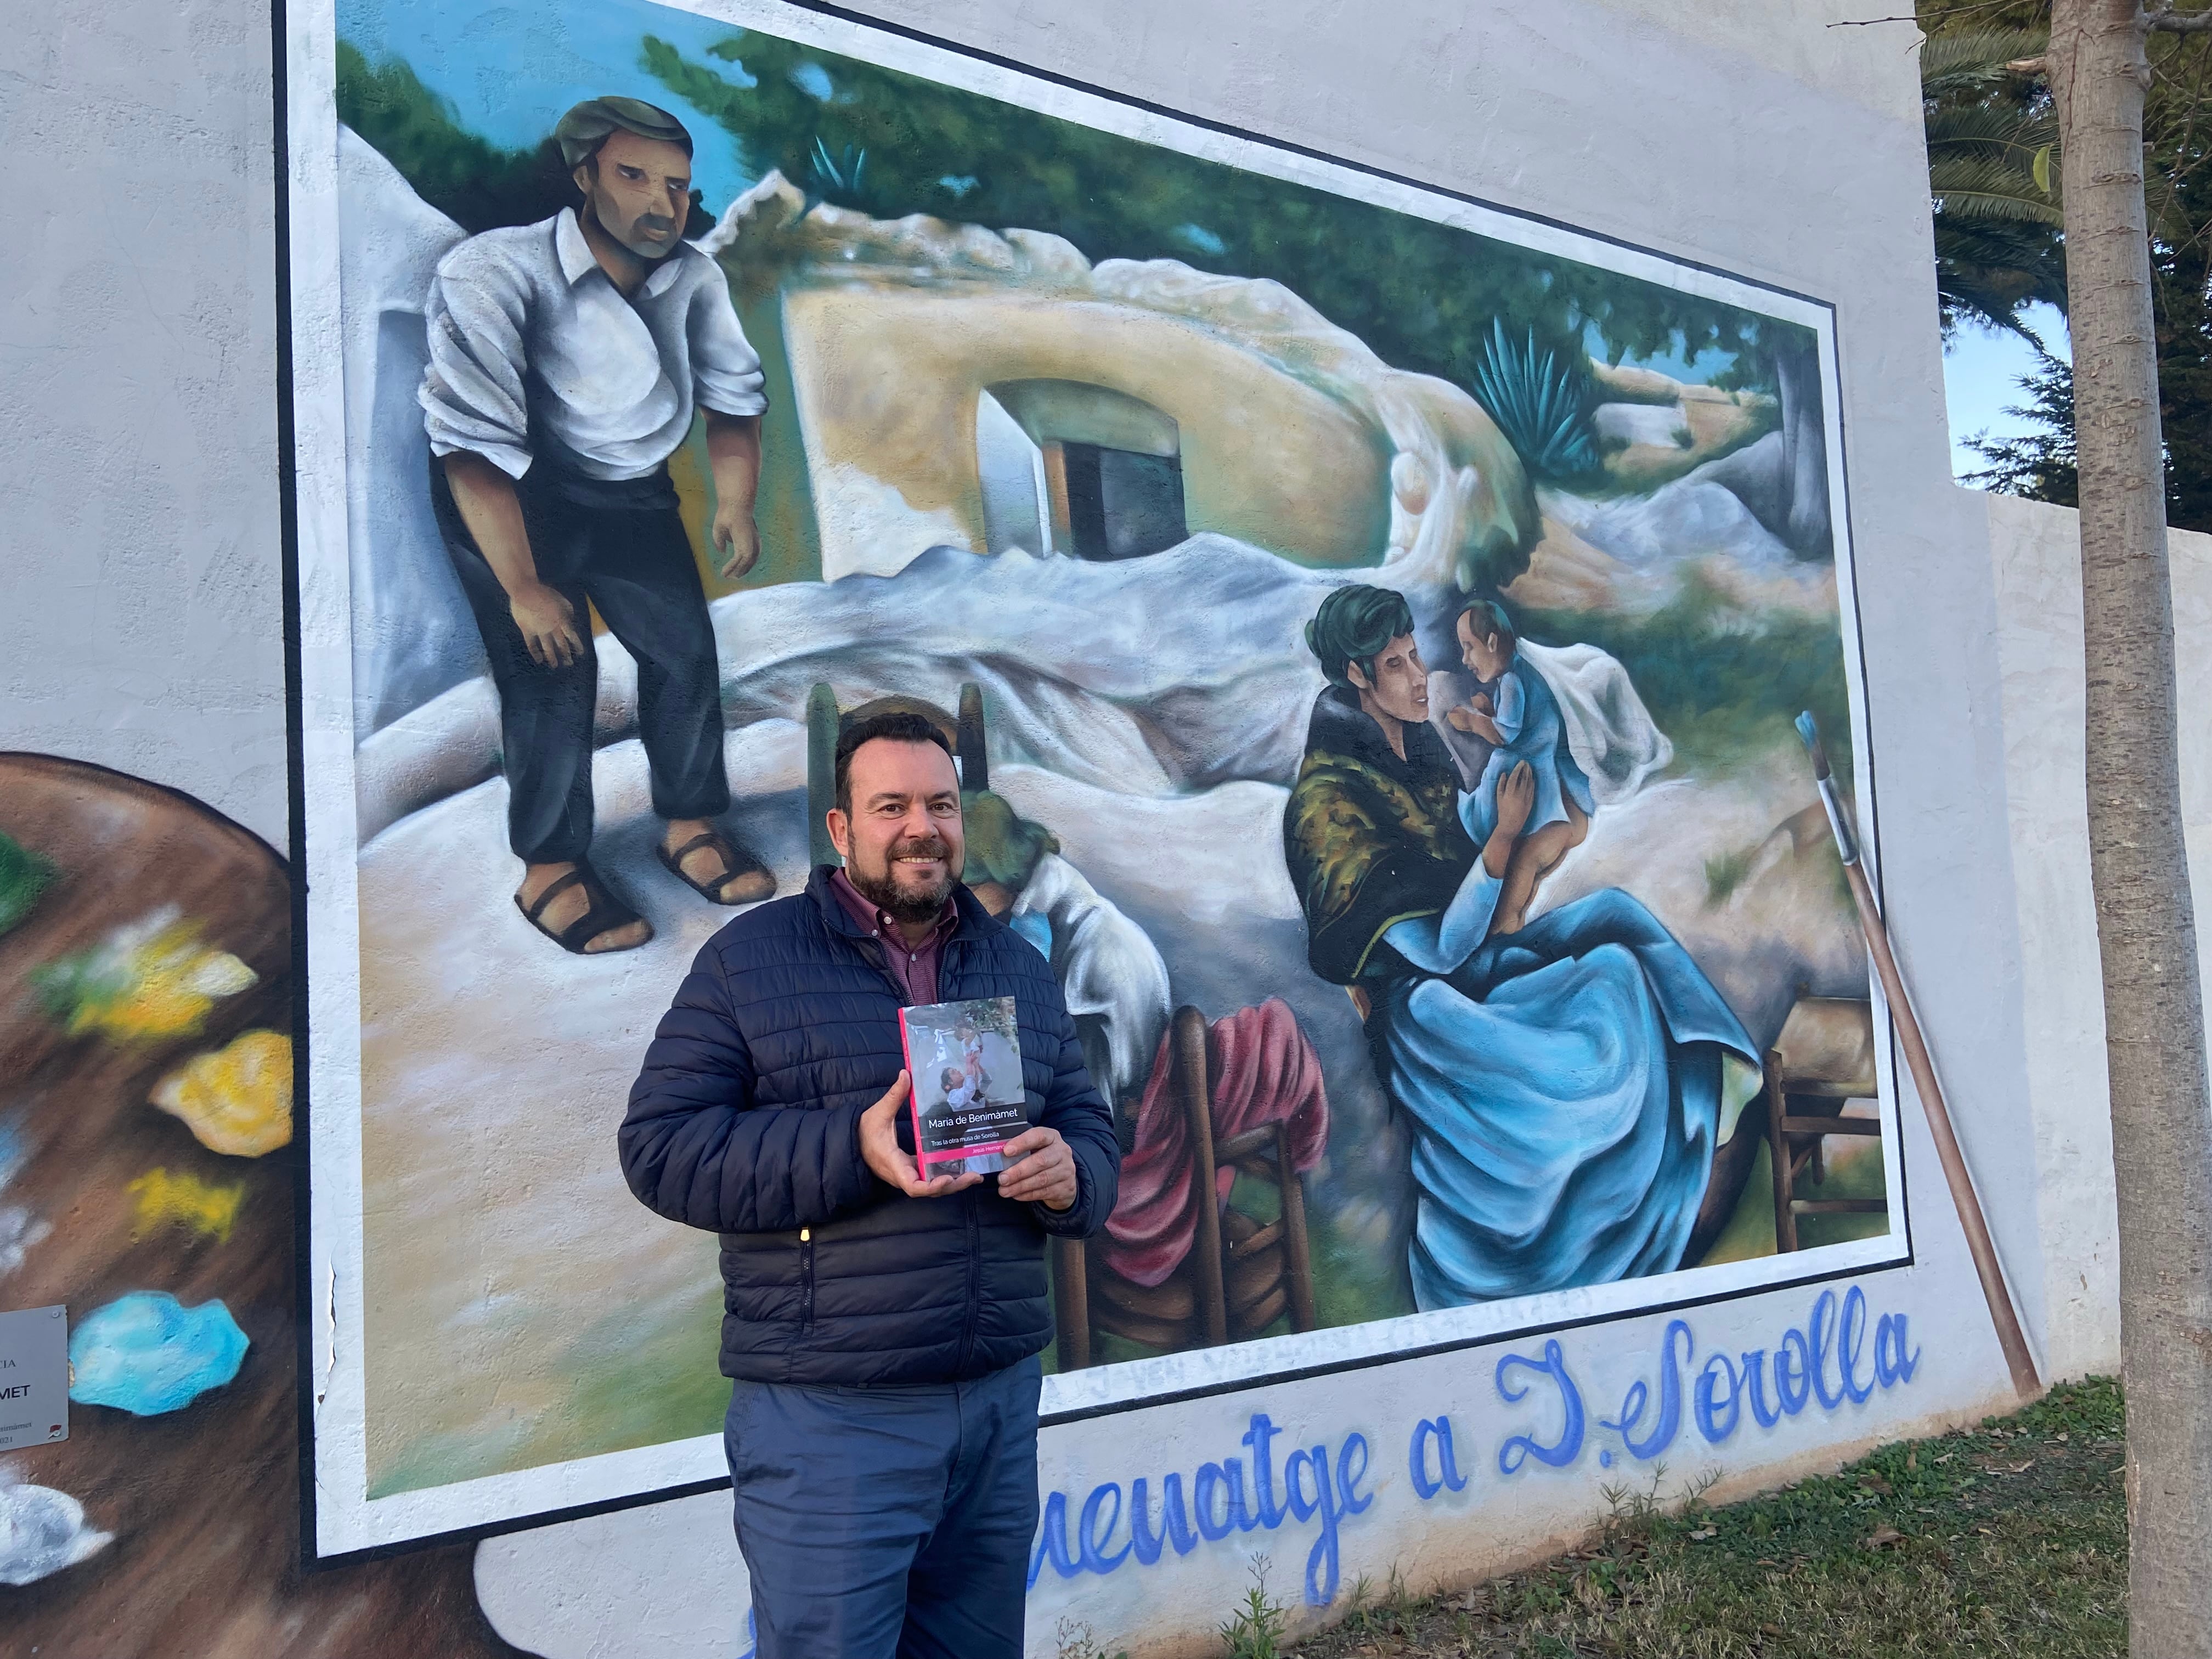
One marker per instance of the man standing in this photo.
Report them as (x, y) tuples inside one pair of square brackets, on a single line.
[(882, 1330), (567, 359)]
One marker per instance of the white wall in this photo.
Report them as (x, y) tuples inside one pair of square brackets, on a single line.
[(142, 627), (2035, 562)]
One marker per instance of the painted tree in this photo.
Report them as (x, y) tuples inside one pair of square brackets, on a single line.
[(2146, 925)]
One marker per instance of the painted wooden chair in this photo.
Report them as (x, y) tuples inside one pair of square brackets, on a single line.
[(1823, 1057), (1243, 1271)]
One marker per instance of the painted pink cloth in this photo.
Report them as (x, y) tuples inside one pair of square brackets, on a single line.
[(1265, 1071)]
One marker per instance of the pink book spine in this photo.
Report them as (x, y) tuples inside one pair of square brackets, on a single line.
[(923, 1159)]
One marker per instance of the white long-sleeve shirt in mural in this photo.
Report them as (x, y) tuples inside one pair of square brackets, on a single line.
[(524, 320)]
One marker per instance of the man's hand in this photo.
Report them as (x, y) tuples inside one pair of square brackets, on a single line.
[(733, 456), (548, 622), (484, 497), (736, 540), (879, 1147), (1046, 1172)]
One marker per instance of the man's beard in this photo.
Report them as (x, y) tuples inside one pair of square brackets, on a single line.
[(906, 904), (650, 252), (661, 225)]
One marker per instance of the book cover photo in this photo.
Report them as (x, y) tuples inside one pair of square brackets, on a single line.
[(965, 1061)]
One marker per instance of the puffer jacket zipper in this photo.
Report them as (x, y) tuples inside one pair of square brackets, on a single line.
[(873, 951), (971, 1200), (948, 954), (975, 1311), (806, 1279)]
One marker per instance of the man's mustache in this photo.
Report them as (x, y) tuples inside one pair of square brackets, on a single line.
[(659, 224), (927, 846)]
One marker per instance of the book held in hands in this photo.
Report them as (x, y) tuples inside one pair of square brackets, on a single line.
[(964, 1060)]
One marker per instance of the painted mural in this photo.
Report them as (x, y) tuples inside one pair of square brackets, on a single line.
[(148, 1167), (1371, 626)]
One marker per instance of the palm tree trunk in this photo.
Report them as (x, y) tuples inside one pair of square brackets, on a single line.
[(2145, 926)]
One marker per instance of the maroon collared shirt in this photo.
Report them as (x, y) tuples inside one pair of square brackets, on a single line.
[(913, 966)]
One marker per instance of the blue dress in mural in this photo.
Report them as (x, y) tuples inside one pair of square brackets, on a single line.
[(1562, 1083), (1564, 1087)]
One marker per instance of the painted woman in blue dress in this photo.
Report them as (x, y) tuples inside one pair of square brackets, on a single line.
[(1563, 1082)]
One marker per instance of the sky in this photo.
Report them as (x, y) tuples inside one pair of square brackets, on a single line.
[(510, 70), (1982, 373)]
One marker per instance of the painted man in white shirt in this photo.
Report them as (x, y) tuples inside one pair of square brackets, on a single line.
[(567, 359)]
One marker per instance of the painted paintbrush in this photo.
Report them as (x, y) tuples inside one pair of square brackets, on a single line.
[(1979, 1245)]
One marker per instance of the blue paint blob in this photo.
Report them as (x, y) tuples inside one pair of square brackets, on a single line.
[(147, 1353), (1604, 1458)]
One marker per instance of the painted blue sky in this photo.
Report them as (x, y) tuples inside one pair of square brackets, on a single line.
[(510, 70), (1696, 370)]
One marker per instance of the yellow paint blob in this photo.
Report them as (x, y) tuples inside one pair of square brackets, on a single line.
[(152, 979), (209, 1211), (237, 1099)]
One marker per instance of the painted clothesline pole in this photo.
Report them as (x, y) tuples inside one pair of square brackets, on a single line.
[(1979, 1245)]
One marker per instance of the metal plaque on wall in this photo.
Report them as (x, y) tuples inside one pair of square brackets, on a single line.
[(34, 1376)]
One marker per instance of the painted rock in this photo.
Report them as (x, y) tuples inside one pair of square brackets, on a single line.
[(154, 978), (41, 1532), (238, 1098), (147, 1353)]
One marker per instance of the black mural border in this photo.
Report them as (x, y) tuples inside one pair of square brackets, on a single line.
[(295, 779), (295, 775)]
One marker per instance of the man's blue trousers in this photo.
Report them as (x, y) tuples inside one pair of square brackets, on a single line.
[(891, 1523)]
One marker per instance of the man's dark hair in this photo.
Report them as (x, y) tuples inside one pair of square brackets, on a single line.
[(895, 726), (1355, 624), (585, 130)]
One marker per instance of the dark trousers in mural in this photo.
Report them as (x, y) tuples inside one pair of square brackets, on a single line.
[(621, 545), (888, 1519)]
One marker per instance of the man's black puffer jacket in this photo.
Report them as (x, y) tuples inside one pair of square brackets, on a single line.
[(746, 1121)]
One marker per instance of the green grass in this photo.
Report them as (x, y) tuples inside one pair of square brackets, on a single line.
[(638, 1376), (2011, 1539), (1724, 873)]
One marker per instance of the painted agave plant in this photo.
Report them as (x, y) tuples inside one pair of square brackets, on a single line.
[(1540, 399)]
